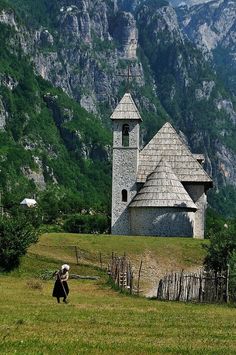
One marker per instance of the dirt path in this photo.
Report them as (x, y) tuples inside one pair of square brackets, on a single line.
[(153, 270)]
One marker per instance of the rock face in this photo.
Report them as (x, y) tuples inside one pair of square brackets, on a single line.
[(126, 34), (36, 177), (204, 92), (126, 5), (226, 159), (8, 18), (212, 27), (91, 40), (3, 116)]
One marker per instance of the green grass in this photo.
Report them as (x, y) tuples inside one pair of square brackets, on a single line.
[(183, 252), (99, 320)]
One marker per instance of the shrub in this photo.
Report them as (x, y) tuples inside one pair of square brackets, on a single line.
[(221, 248), (87, 223), (221, 253), (16, 235)]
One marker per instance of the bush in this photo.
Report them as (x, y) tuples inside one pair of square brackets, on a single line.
[(214, 222), (221, 253), (221, 248), (16, 235), (232, 277), (87, 223)]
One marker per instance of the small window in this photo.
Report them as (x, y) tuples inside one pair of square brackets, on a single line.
[(124, 195), (125, 135)]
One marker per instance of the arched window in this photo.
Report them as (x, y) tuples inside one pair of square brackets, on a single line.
[(125, 135), (124, 194)]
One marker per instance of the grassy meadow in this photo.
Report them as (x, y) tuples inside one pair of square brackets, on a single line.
[(99, 320)]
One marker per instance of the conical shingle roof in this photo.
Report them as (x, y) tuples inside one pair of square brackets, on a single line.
[(167, 144), (126, 109), (163, 189)]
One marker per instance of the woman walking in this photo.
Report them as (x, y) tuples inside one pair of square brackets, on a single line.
[(61, 288)]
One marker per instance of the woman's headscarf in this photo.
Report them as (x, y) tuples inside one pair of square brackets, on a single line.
[(65, 266)]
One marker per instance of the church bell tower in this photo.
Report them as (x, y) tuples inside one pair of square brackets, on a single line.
[(126, 121)]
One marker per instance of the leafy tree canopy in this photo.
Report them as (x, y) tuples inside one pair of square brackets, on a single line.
[(221, 248), (16, 235)]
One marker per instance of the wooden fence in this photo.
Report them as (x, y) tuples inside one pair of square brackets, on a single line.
[(201, 287), (121, 272)]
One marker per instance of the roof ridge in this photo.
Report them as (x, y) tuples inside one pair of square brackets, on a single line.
[(126, 109), (172, 194), (186, 146), (167, 142)]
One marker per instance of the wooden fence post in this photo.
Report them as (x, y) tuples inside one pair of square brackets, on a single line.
[(200, 288), (121, 272), (131, 281), (227, 285), (139, 274), (180, 285)]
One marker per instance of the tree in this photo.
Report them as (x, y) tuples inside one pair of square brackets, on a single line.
[(221, 248), (221, 253), (16, 235), (79, 223)]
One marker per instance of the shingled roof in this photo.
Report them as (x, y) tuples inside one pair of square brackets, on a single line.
[(126, 109), (163, 189), (167, 144)]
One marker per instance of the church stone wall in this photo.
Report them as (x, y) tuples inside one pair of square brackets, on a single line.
[(124, 172), (133, 135), (164, 222), (124, 177), (197, 194)]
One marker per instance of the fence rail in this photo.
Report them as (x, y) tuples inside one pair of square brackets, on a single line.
[(200, 287), (121, 272)]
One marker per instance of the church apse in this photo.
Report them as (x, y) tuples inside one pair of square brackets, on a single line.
[(162, 222)]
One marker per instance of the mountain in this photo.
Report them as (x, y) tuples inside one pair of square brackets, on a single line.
[(62, 72), (212, 27), (50, 146)]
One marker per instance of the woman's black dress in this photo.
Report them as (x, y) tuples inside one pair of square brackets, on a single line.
[(58, 290)]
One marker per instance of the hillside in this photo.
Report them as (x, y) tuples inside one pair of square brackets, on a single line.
[(159, 255), (99, 320), (50, 145)]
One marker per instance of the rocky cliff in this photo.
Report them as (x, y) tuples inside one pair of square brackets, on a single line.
[(212, 27)]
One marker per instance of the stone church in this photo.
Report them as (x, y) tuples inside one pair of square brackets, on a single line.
[(159, 190)]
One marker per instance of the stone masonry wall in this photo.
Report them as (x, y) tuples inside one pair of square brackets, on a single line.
[(164, 222), (133, 136), (124, 172), (197, 194)]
